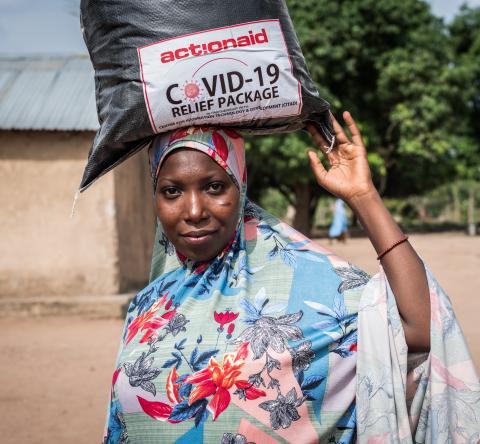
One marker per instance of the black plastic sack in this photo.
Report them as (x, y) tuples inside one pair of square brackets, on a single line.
[(165, 64)]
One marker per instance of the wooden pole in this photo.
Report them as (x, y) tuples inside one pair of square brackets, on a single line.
[(472, 229)]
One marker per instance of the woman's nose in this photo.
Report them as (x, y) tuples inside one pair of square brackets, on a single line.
[(196, 210)]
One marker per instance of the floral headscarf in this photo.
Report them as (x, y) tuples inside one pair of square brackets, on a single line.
[(224, 146)]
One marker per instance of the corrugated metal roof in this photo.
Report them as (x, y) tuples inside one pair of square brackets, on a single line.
[(47, 93)]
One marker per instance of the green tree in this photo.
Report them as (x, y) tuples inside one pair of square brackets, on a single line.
[(465, 44), (390, 64)]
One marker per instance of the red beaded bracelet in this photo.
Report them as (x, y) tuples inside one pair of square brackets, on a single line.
[(392, 247)]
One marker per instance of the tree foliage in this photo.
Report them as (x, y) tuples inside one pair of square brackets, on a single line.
[(411, 83), (465, 44)]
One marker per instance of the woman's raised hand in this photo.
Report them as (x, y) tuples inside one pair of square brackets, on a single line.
[(348, 173)]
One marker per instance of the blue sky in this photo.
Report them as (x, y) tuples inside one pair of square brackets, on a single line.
[(52, 26)]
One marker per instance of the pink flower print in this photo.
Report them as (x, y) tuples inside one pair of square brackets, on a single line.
[(224, 318), (231, 133), (149, 322), (153, 326), (230, 330), (219, 378), (220, 145), (179, 134)]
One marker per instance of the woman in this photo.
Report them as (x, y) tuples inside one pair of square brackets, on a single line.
[(339, 226), (251, 333)]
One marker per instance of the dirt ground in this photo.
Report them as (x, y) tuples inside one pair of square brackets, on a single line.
[(56, 372)]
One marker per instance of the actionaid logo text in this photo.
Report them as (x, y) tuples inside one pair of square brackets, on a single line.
[(195, 50)]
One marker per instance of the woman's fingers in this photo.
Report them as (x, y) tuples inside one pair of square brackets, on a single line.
[(339, 133), (322, 143), (353, 128), (317, 137), (318, 169)]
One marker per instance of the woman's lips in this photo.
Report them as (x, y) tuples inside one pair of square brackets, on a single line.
[(198, 237)]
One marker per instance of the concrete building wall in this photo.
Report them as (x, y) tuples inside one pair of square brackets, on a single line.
[(104, 249), (135, 221)]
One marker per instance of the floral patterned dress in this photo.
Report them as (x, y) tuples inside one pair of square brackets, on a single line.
[(277, 340)]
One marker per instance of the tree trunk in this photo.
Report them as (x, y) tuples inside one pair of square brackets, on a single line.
[(303, 213), (421, 208), (382, 186), (387, 161), (456, 204)]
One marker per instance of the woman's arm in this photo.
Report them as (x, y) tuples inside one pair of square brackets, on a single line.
[(348, 177), (403, 267)]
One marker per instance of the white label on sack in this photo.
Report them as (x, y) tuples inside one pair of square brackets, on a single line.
[(234, 74)]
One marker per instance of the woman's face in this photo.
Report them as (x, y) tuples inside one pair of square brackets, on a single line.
[(197, 204)]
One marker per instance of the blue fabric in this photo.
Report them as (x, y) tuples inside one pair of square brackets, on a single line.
[(340, 222)]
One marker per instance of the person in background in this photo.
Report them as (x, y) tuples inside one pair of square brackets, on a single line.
[(339, 227)]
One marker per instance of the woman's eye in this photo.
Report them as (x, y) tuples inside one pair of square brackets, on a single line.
[(170, 192), (215, 187)]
